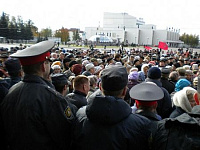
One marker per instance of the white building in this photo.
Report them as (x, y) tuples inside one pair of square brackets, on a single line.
[(122, 27)]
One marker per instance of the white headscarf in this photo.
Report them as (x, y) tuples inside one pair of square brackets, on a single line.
[(180, 99)]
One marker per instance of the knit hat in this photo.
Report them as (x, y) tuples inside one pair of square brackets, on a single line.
[(133, 75), (181, 83), (76, 69), (89, 66), (154, 73), (55, 67), (56, 63)]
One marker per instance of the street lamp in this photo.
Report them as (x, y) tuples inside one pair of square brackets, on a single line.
[(147, 40), (135, 40), (157, 40)]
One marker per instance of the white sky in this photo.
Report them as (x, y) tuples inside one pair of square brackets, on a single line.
[(54, 14)]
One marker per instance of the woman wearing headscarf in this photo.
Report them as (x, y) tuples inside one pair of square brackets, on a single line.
[(183, 101)]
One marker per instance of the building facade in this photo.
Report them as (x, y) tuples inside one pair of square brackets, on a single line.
[(122, 27)]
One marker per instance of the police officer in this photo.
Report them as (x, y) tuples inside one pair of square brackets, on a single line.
[(35, 116), (146, 96)]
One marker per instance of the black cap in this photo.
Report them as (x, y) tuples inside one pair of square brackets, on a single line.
[(114, 78), (60, 79), (146, 91), (165, 71), (13, 65)]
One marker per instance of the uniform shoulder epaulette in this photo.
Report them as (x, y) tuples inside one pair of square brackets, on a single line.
[(53, 91)]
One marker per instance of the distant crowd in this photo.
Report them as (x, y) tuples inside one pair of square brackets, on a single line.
[(115, 99)]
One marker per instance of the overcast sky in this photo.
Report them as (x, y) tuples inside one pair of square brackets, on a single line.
[(54, 14)]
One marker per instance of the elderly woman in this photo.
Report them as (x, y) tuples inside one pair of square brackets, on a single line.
[(143, 72), (183, 101)]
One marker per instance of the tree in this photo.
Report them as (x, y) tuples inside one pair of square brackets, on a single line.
[(4, 25), (45, 33), (12, 29), (28, 31), (192, 40), (63, 33), (76, 35)]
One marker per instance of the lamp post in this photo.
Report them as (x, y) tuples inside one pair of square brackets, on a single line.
[(157, 41), (135, 40)]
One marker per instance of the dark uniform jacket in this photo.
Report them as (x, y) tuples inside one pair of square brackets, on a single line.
[(77, 98), (107, 123), (4, 86), (164, 108), (148, 114), (35, 116)]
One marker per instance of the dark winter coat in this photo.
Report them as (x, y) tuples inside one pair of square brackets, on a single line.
[(35, 116), (77, 98), (107, 123), (180, 133)]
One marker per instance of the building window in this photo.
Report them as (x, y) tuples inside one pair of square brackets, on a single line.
[(113, 34)]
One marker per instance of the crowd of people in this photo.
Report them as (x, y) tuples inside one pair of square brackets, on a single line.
[(57, 98)]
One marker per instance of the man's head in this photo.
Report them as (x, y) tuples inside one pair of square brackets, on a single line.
[(81, 83), (13, 67), (90, 68), (35, 59), (61, 83), (114, 80)]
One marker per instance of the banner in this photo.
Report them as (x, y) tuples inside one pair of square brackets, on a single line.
[(147, 47), (163, 45)]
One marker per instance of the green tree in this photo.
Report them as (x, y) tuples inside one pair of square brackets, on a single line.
[(4, 25), (191, 40), (63, 33), (76, 36), (28, 31), (45, 33)]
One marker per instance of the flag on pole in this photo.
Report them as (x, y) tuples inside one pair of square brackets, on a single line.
[(163, 45), (147, 47)]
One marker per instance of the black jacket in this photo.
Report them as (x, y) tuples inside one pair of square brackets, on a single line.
[(77, 98), (35, 116), (180, 133), (148, 114), (107, 123), (168, 85), (177, 112), (4, 86)]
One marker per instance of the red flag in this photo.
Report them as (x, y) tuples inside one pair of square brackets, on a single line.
[(147, 47), (163, 45)]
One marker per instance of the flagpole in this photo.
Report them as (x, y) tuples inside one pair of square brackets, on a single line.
[(160, 52)]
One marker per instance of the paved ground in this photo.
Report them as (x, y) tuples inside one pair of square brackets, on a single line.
[(99, 47)]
